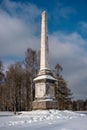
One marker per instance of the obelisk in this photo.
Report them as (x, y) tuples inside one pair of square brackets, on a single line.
[(44, 43), (44, 82), (44, 57)]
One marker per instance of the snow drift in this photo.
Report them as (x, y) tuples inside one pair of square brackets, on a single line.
[(27, 120)]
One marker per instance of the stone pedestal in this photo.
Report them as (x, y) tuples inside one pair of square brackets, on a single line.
[(44, 104), (45, 93)]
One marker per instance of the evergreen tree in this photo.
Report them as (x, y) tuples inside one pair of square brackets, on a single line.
[(63, 93)]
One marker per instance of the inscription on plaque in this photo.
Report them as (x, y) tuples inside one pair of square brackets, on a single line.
[(40, 90), (50, 90)]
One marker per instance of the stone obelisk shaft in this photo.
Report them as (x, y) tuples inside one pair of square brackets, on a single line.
[(44, 44)]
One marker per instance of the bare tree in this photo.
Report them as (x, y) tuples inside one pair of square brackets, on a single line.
[(31, 67), (58, 70), (2, 95), (15, 83)]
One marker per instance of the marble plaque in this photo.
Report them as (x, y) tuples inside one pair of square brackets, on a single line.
[(40, 90)]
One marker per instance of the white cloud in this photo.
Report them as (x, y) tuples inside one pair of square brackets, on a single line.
[(68, 50), (17, 29), (83, 26)]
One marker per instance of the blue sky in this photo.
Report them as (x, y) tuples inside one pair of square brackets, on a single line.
[(20, 27)]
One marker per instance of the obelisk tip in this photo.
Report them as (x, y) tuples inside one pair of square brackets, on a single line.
[(44, 12)]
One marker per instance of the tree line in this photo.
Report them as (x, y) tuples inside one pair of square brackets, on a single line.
[(17, 90)]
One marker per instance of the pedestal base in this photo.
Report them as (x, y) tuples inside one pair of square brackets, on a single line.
[(44, 105)]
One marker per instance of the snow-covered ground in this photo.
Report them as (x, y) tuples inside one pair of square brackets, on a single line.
[(43, 120)]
